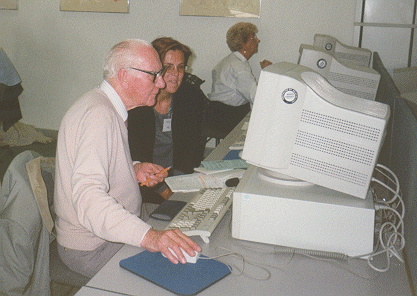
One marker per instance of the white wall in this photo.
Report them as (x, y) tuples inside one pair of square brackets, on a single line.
[(387, 29), (59, 54)]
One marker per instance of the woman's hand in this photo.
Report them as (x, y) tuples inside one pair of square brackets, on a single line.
[(265, 63)]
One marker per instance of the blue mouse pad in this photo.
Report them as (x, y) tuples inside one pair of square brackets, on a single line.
[(181, 279)]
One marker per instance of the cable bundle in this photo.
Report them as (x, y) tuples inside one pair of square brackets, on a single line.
[(389, 224)]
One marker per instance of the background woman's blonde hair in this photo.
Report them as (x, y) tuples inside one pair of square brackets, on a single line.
[(238, 34)]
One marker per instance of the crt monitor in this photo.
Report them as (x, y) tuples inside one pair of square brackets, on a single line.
[(343, 52), (303, 127), (358, 81)]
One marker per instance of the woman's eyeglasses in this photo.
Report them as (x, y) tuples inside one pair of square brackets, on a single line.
[(170, 68)]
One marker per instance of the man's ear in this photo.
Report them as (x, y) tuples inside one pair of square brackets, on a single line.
[(123, 76)]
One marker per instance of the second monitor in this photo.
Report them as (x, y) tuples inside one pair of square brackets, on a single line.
[(343, 52), (355, 80)]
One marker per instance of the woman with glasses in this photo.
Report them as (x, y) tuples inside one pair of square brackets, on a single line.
[(234, 85), (168, 133)]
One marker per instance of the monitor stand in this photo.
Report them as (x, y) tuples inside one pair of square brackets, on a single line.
[(280, 178)]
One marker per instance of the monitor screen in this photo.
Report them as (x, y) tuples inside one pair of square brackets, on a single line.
[(303, 127)]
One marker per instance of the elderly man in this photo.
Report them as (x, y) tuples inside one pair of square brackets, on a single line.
[(97, 199)]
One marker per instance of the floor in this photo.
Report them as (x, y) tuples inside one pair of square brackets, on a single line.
[(62, 290)]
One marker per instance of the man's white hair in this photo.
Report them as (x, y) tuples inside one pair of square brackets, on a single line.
[(123, 55)]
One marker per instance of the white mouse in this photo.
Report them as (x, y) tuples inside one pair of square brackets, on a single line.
[(187, 257)]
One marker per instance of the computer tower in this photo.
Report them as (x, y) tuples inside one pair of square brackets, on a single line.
[(301, 216)]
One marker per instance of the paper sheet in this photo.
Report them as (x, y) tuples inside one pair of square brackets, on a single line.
[(225, 164)]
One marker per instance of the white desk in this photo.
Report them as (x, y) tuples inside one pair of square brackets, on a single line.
[(290, 275)]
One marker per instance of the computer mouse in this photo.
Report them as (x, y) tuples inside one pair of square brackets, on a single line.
[(232, 182), (187, 257)]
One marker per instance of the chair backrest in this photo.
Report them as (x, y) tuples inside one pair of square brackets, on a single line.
[(207, 131), (28, 256), (41, 172), (24, 242)]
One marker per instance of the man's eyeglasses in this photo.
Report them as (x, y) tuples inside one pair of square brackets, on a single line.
[(154, 74)]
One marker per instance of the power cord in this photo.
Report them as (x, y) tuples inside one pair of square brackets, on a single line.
[(390, 221), (241, 271)]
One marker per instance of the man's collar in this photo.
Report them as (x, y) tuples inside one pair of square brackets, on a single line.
[(115, 99)]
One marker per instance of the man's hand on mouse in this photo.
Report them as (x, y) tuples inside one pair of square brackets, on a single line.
[(161, 241)]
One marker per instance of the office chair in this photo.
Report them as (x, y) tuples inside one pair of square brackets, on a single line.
[(41, 172), (207, 131), (28, 259)]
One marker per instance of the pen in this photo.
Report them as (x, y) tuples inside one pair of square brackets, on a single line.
[(160, 172)]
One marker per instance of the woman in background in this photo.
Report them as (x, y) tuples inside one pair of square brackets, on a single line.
[(169, 133), (234, 85)]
